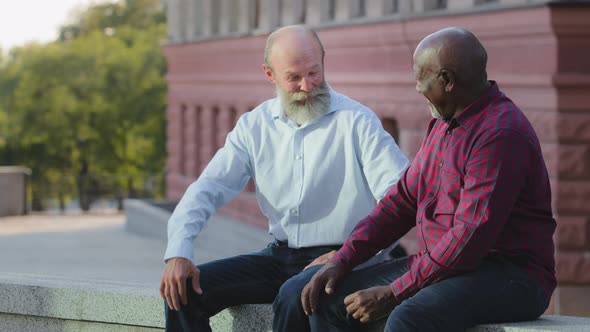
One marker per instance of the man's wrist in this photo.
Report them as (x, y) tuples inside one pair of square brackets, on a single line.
[(393, 296)]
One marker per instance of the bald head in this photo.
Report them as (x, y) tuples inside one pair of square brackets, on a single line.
[(292, 41), (454, 49)]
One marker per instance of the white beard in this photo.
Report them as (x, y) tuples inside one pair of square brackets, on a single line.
[(305, 107), (434, 111)]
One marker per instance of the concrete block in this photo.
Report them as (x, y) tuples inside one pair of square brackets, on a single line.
[(13, 181), (108, 302)]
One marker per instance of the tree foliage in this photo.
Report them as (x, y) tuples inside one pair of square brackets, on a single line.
[(89, 104)]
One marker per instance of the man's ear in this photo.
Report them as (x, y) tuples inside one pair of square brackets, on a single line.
[(268, 73), (449, 78)]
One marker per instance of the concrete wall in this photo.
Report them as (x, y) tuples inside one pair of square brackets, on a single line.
[(13, 190), (538, 53)]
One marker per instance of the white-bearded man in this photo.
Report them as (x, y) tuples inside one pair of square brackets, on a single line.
[(319, 159)]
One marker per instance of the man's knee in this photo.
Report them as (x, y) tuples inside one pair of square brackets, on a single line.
[(289, 295), (288, 298)]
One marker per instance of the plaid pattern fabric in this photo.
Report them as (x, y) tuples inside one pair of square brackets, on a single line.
[(478, 187)]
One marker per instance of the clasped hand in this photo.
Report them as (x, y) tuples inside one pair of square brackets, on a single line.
[(365, 305)]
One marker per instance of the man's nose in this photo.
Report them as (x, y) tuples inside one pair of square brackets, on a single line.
[(305, 85)]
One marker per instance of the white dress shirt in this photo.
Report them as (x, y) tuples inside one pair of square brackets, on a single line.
[(314, 183)]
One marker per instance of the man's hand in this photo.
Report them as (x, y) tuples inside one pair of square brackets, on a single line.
[(323, 259), (325, 279), (371, 304), (173, 283)]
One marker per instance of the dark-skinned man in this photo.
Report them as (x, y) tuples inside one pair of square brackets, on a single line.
[(478, 193)]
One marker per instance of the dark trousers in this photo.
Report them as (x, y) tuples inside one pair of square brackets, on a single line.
[(245, 279), (498, 291)]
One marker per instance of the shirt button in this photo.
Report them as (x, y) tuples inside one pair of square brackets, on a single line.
[(448, 132), (425, 252), (294, 212), (298, 157), (440, 165)]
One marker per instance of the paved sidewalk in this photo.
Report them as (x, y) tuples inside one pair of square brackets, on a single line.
[(97, 246)]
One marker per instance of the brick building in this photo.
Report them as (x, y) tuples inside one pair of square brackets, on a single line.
[(538, 52)]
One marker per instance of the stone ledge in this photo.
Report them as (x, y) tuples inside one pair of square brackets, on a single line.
[(62, 299), (50, 304)]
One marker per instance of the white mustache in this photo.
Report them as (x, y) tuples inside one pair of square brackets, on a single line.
[(302, 95)]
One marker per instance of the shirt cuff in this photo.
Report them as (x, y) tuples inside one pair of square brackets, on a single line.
[(340, 260), (399, 301), (402, 290), (184, 248)]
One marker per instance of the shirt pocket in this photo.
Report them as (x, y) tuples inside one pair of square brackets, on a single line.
[(448, 196)]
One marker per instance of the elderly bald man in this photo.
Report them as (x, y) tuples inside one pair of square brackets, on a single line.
[(478, 194), (319, 160)]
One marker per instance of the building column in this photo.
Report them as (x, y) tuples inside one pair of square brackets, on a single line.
[(269, 15), (246, 15), (192, 28), (182, 133), (191, 142), (378, 8), (292, 12), (405, 7), (347, 9), (228, 18), (317, 12), (175, 22), (210, 17), (460, 4), (172, 139), (207, 136)]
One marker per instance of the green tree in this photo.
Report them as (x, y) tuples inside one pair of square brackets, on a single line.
[(90, 104)]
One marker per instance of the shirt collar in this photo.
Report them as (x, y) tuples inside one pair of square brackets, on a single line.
[(278, 113), (478, 105)]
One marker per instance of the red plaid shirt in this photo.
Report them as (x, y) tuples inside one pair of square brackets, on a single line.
[(478, 187)]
